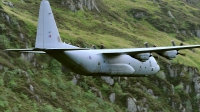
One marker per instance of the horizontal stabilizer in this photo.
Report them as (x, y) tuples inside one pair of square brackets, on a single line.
[(37, 50)]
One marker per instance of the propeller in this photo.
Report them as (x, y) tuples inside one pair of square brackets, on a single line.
[(173, 43), (178, 53), (181, 44), (146, 44)]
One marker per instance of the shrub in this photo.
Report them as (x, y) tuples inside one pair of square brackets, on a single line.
[(53, 95), (46, 81), (55, 67), (12, 84), (58, 110), (47, 108), (117, 89), (1, 82)]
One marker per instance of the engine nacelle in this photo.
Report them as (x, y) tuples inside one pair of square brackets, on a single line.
[(169, 54), (142, 56)]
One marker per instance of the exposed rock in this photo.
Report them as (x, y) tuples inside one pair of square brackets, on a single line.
[(74, 80), (131, 105), (144, 88), (112, 97), (21, 36), (173, 105), (31, 88), (150, 91), (75, 5), (119, 79), (143, 107), (27, 56), (170, 14), (72, 7), (175, 28), (89, 6), (182, 73), (197, 33), (1, 67), (38, 98), (171, 72), (172, 89), (7, 18), (8, 3), (140, 15), (181, 108), (176, 71), (197, 87), (187, 89), (80, 5), (18, 26), (98, 92), (183, 32), (78, 76), (28, 77), (125, 78), (108, 79)]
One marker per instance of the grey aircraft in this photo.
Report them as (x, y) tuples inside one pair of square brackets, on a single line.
[(130, 62)]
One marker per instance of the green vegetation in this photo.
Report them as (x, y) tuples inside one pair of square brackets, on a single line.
[(40, 83)]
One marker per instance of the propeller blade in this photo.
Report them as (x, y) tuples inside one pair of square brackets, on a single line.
[(173, 43), (182, 54), (181, 44), (146, 44)]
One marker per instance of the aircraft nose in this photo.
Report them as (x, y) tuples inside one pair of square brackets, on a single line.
[(157, 68)]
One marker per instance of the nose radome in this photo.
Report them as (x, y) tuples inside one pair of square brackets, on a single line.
[(158, 68)]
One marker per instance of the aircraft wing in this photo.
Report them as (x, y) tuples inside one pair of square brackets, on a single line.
[(146, 50)]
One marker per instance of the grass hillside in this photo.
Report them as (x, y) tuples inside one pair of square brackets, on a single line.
[(39, 83)]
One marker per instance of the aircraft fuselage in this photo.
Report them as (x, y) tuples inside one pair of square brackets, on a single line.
[(92, 63)]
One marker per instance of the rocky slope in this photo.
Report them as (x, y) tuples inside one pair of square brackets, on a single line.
[(39, 83)]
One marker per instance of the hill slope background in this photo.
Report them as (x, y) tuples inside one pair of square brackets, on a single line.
[(39, 83)]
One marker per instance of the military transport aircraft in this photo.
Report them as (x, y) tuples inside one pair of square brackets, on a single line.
[(131, 62)]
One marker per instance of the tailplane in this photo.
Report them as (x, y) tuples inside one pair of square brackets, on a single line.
[(47, 31), (48, 37)]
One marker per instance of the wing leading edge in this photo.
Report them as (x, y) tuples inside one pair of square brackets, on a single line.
[(146, 50)]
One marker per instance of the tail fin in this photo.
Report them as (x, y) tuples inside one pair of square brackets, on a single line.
[(47, 31)]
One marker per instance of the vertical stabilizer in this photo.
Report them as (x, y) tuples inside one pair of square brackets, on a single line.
[(47, 31)]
